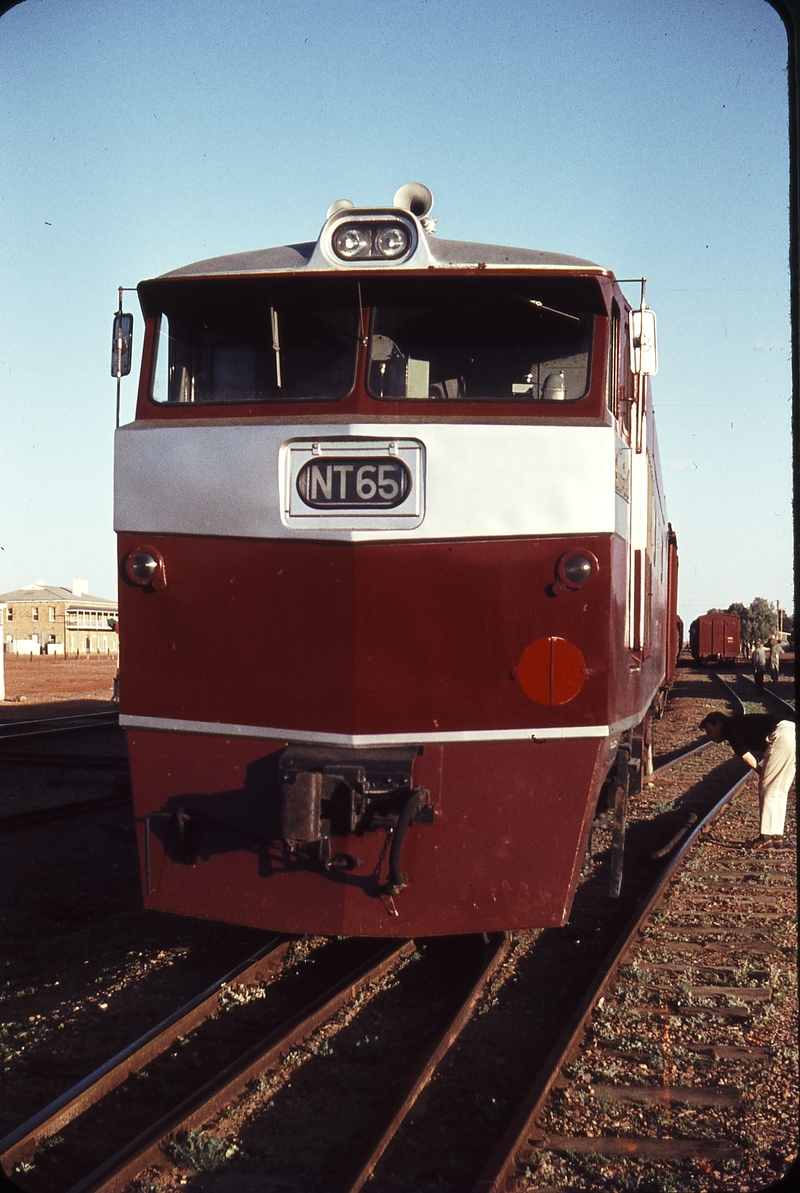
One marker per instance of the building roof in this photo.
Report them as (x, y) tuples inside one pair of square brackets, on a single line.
[(44, 593)]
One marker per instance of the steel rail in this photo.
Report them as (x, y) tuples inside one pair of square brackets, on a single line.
[(48, 761), (14, 821), (44, 726), (681, 757), (734, 695), (115, 1173), (362, 1164), (499, 1168), (22, 1143)]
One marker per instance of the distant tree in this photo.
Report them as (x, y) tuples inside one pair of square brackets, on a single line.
[(763, 620), (745, 621), (788, 622), (738, 608)]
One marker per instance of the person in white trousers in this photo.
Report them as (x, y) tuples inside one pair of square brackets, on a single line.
[(774, 739)]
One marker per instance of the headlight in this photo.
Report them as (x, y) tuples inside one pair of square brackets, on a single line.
[(576, 568), (392, 242), (350, 243)]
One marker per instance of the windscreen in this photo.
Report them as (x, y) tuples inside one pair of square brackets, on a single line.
[(487, 339), (246, 341), (492, 340)]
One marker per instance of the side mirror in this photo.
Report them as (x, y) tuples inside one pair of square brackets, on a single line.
[(121, 345), (642, 328)]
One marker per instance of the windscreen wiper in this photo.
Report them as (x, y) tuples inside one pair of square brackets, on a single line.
[(542, 307)]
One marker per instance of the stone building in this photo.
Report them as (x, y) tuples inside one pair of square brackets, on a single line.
[(46, 619)]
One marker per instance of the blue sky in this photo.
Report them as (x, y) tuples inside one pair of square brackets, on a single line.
[(649, 138)]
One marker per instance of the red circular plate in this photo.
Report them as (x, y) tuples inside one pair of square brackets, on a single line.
[(551, 671)]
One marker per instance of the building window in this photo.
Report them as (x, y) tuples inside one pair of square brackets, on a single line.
[(72, 645), (9, 614), (35, 614), (52, 612)]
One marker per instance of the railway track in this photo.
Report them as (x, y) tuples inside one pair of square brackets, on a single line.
[(47, 726), (677, 997), (69, 765), (767, 696), (14, 821), (242, 1115), (669, 1004), (247, 1099), (297, 1031), (72, 773)]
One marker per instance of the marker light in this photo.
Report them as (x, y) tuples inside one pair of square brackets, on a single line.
[(145, 568), (574, 570)]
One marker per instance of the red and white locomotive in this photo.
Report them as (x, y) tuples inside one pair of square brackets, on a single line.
[(396, 577)]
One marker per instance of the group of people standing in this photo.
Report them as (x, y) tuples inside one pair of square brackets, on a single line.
[(761, 660)]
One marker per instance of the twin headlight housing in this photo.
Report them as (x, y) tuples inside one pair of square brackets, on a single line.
[(377, 237), (373, 240)]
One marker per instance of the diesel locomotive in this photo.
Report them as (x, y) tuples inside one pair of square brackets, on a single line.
[(397, 586)]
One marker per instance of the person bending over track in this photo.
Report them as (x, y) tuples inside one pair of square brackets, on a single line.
[(774, 739)]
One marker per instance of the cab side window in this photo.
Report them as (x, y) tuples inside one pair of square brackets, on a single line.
[(612, 365)]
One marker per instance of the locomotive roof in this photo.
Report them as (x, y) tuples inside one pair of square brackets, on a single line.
[(292, 257)]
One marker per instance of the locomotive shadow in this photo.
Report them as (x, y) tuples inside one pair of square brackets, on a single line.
[(193, 827)]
